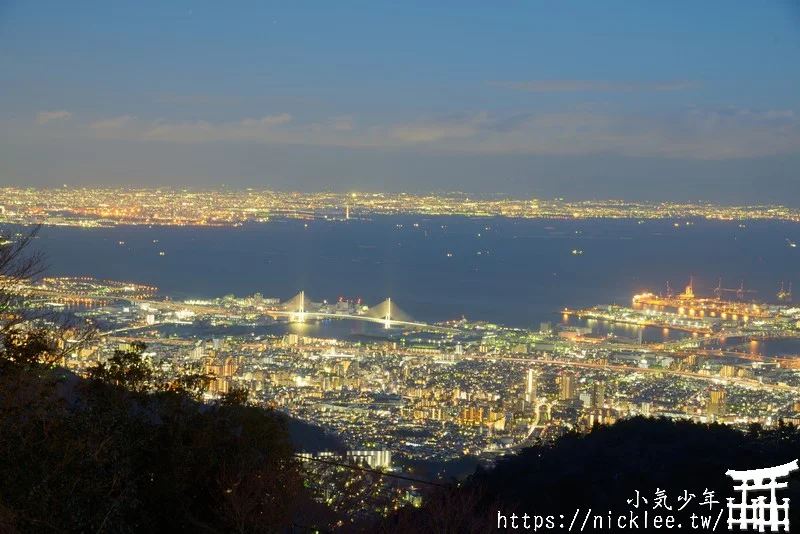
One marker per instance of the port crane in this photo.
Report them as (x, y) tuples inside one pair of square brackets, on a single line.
[(740, 291), (785, 296), (688, 293)]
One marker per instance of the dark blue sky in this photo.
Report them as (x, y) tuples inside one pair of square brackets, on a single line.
[(583, 99)]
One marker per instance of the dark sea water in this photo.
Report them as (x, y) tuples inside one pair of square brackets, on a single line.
[(514, 272)]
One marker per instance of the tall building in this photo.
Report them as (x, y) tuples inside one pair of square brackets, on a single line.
[(196, 353), (716, 402), (566, 382), (530, 386), (544, 413), (229, 367), (376, 459), (598, 394)]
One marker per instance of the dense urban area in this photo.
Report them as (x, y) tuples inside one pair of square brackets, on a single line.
[(102, 207), (402, 390), (399, 398)]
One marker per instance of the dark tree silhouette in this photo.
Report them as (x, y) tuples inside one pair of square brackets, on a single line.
[(603, 469), (18, 265), (235, 397), (128, 449), (28, 336), (126, 368)]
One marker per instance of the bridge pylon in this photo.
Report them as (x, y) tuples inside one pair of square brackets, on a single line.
[(388, 314), (297, 307), (301, 315)]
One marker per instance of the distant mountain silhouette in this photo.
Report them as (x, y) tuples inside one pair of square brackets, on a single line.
[(306, 437)]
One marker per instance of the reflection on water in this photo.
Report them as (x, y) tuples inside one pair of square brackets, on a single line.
[(649, 334), (770, 347), (329, 328), (511, 281)]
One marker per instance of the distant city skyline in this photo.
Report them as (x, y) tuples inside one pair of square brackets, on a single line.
[(676, 102), (104, 207)]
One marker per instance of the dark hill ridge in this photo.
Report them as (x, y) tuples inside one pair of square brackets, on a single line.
[(604, 469), (82, 455), (306, 437)]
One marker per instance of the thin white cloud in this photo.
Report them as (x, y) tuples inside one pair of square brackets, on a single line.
[(430, 129), (196, 131), (217, 100), (691, 133), (113, 122), (574, 86), (197, 100), (688, 134), (343, 123), (269, 120), (43, 117)]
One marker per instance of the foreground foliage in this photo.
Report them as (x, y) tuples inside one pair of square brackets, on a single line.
[(605, 468), (93, 455)]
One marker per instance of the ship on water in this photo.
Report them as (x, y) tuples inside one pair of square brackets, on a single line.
[(688, 303)]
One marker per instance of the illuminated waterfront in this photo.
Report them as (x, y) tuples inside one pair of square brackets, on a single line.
[(103, 207), (516, 273), (419, 267), (445, 390), (297, 312)]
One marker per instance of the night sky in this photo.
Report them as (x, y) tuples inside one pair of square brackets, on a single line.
[(639, 100)]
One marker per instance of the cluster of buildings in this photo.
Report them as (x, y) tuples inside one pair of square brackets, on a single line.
[(180, 207), (395, 399), (442, 392)]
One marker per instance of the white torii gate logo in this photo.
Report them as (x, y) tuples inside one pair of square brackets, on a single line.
[(759, 512)]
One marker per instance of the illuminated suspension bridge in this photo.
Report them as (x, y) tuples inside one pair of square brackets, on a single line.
[(386, 313)]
